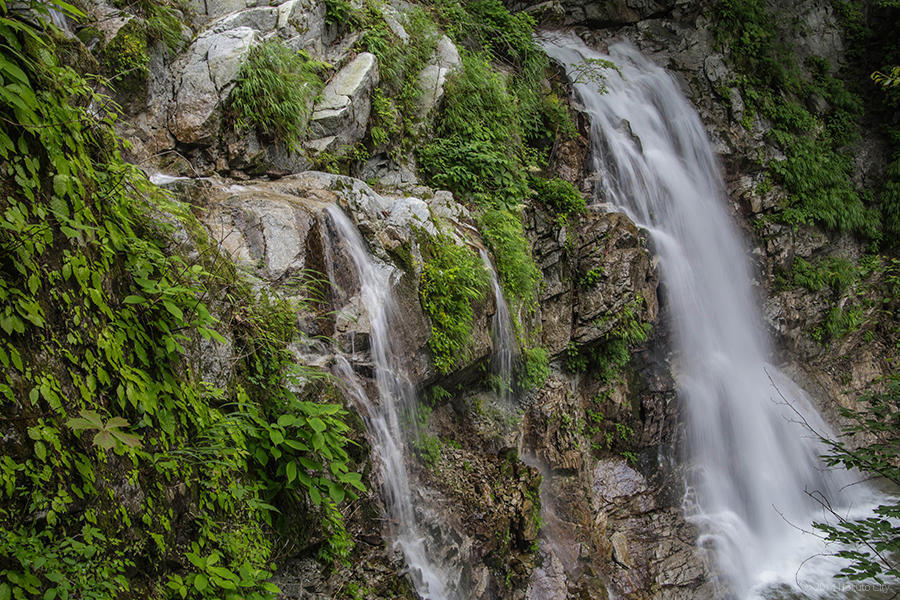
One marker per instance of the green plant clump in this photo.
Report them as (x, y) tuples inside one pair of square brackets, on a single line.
[(275, 91), (535, 368), (395, 117), (123, 473), (560, 196), (453, 278), (817, 168)]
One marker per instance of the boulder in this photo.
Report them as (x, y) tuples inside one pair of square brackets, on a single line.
[(211, 64), (433, 76), (343, 111)]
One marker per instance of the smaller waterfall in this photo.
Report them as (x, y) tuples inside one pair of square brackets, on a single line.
[(560, 553), (384, 417), (502, 337)]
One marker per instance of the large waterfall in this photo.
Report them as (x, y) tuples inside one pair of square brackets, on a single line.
[(385, 414), (752, 465)]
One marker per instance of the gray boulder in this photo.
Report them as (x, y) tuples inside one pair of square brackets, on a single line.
[(343, 111), (211, 64), (433, 76)]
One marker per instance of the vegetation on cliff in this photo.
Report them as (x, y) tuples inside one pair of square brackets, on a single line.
[(124, 473)]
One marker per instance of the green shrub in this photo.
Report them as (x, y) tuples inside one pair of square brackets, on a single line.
[(95, 318), (504, 234), (817, 171), (836, 273), (453, 278), (559, 196), (342, 13), (274, 92), (399, 63), (535, 368)]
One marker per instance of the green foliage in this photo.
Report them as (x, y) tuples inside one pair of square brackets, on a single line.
[(607, 357), (593, 70), (477, 153), (872, 542), (274, 92), (889, 199), (817, 169), (607, 433), (396, 118), (819, 181), (494, 128), (108, 435), (559, 196), (387, 122), (453, 278), (836, 273), (535, 368), (96, 317), (342, 13), (862, 294), (591, 278), (504, 234)]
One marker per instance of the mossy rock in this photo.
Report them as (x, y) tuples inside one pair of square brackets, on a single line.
[(125, 60), (72, 52)]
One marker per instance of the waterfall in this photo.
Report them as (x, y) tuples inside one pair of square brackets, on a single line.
[(558, 550), (384, 415), (751, 463), (502, 338)]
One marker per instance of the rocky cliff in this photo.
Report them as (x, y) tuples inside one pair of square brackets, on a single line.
[(567, 485)]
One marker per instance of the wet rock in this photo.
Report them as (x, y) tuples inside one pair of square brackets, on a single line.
[(615, 274)]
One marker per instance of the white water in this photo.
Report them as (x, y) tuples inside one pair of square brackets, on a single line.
[(751, 463), (502, 338), (396, 400)]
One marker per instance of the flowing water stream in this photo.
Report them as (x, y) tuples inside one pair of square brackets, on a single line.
[(503, 340), (751, 463), (385, 415)]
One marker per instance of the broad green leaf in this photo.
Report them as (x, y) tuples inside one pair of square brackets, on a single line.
[(104, 439), (40, 450)]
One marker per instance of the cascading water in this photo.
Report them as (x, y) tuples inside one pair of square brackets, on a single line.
[(751, 463), (396, 400), (558, 550), (502, 338)]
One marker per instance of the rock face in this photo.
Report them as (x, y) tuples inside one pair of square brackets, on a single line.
[(479, 488), (341, 116), (597, 14), (605, 268), (433, 76), (182, 126)]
